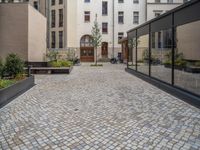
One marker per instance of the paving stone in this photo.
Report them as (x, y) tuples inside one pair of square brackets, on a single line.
[(98, 108)]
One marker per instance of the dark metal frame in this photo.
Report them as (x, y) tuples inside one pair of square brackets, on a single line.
[(181, 15)]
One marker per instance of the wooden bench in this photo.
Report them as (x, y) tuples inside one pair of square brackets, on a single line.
[(50, 70)]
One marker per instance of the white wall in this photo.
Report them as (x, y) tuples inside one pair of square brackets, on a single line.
[(36, 35), (95, 7)]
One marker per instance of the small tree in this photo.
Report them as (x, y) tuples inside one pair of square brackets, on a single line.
[(96, 37), (13, 65)]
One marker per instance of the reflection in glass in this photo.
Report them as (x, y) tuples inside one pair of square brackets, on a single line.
[(143, 54), (132, 53), (161, 55), (187, 57)]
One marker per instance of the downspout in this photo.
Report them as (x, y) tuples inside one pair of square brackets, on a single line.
[(145, 10), (65, 20), (113, 36)]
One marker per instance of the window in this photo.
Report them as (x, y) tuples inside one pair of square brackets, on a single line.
[(60, 17), (157, 13), (157, 1), (104, 8), (53, 39), (135, 1), (120, 1), (104, 27), (87, 1), (53, 18), (120, 35), (135, 17), (60, 1), (169, 1), (87, 16), (120, 17), (60, 39), (35, 4), (53, 2)]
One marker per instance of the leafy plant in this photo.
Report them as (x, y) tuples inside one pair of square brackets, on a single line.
[(168, 62), (1, 68), (96, 36), (179, 59), (61, 63), (197, 64), (96, 65), (13, 65), (52, 55), (19, 77), (6, 83), (180, 62)]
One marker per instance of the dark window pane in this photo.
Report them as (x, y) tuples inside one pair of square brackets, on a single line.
[(161, 55)]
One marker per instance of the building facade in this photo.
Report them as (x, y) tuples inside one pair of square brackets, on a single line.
[(69, 22), (18, 25), (155, 8), (114, 19)]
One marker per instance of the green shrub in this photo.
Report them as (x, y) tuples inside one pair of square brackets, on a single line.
[(13, 65), (61, 63), (180, 62), (168, 62), (6, 83), (1, 68), (19, 77), (197, 63), (96, 65)]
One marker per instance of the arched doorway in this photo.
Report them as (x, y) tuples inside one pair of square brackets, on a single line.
[(104, 50), (86, 49)]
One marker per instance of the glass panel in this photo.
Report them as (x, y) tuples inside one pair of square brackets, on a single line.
[(161, 55), (187, 57), (132, 53), (143, 54)]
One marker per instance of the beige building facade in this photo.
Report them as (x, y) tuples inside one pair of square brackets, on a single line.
[(69, 22), (22, 31)]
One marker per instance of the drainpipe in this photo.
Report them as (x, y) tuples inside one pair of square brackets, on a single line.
[(113, 36)]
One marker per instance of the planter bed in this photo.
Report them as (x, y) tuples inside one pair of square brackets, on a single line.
[(175, 67), (9, 93), (189, 69), (192, 69), (51, 70)]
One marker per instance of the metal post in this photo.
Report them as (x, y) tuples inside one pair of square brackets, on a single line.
[(150, 61), (113, 40), (136, 45), (173, 48), (29, 70)]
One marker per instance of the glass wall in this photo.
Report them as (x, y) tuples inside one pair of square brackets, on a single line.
[(187, 57), (143, 54), (132, 53), (161, 55), (174, 51)]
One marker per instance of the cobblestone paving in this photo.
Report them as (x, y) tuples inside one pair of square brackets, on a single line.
[(98, 108)]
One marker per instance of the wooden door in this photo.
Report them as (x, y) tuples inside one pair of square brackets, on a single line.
[(104, 50)]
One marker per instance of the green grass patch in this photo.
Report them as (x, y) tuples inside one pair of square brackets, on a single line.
[(6, 83), (96, 65)]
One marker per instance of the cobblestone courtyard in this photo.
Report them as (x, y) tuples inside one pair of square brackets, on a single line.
[(98, 108)]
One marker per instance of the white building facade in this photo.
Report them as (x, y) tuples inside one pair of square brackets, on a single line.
[(155, 8), (114, 17)]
